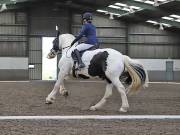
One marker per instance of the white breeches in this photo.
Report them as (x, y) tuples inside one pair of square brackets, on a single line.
[(83, 46)]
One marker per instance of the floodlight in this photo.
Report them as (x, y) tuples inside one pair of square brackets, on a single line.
[(111, 16), (3, 7), (161, 26)]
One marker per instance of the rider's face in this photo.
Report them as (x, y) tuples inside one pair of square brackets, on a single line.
[(84, 21)]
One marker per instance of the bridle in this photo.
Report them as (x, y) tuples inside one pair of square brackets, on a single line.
[(60, 51)]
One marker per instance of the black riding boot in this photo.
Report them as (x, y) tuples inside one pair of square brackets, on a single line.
[(80, 63)]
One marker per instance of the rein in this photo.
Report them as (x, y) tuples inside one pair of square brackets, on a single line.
[(59, 51), (67, 50), (66, 47)]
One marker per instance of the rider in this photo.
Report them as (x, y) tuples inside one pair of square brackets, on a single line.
[(89, 31)]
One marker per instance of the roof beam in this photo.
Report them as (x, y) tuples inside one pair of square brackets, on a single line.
[(118, 11), (149, 7), (144, 6), (138, 15), (173, 23), (161, 12), (138, 4)]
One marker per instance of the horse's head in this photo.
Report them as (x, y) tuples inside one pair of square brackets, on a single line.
[(52, 54), (54, 51), (59, 43)]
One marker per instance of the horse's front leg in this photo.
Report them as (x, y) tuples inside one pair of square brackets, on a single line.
[(52, 96), (63, 90), (59, 85)]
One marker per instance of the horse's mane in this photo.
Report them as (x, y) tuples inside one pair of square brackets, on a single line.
[(65, 40)]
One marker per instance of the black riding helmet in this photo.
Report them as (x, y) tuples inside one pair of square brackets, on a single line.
[(87, 16)]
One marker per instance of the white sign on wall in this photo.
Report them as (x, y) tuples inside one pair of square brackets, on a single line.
[(13, 63)]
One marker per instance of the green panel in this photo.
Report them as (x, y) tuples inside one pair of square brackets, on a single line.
[(169, 70), (4, 1), (19, 4), (17, 1)]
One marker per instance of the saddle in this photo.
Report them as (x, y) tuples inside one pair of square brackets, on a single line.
[(81, 52), (75, 69)]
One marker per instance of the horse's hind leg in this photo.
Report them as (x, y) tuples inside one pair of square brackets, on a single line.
[(107, 94), (121, 90)]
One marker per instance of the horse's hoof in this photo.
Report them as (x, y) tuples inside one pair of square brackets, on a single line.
[(123, 109), (93, 108), (49, 101), (65, 93)]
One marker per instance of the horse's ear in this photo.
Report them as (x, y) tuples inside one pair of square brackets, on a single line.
[(58, 32)]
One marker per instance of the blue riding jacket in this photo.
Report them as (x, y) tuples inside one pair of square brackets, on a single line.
[(89, 31)]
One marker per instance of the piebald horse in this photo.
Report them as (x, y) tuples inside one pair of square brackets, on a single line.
[(107, 64)]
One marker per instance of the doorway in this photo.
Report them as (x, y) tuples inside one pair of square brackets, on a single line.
[(49, 66)]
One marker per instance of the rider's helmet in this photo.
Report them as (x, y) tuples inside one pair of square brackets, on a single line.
[(87, 16)]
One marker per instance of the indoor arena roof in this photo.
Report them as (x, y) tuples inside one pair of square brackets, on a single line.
[(163, 13)]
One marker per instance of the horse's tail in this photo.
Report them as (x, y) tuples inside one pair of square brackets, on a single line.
[(138, 74)]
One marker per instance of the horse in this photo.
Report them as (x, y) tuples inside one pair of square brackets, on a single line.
[(107, 64)]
